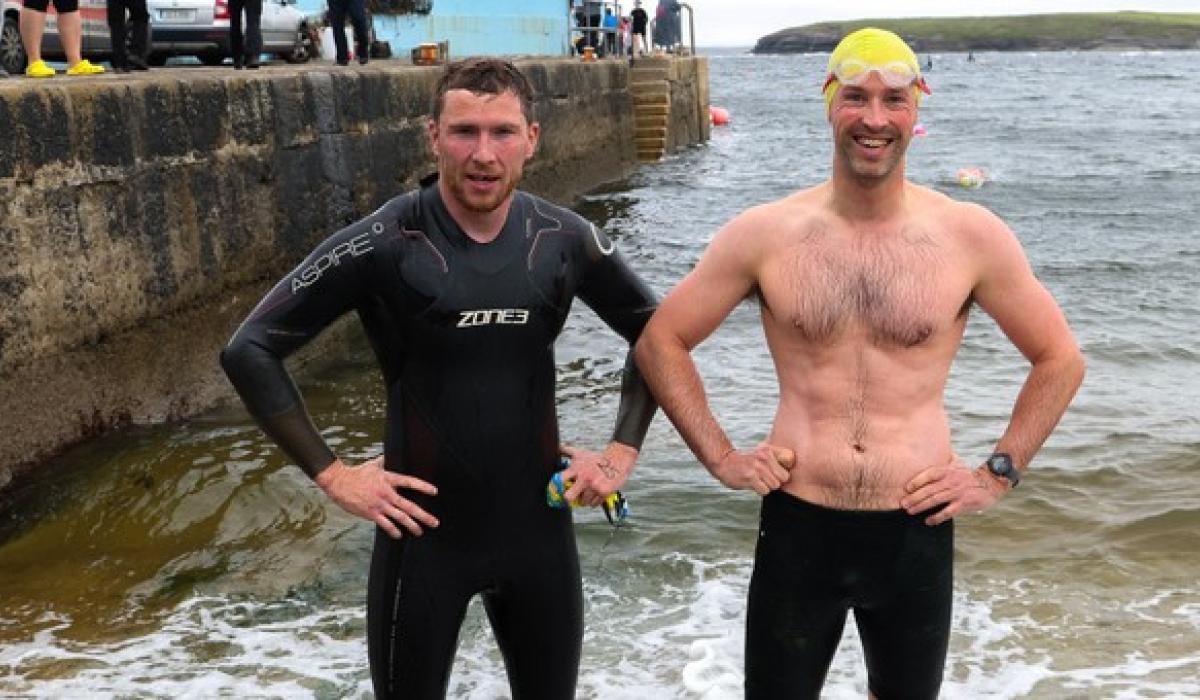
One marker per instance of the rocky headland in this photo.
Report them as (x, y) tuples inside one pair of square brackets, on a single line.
[(1050, 32)]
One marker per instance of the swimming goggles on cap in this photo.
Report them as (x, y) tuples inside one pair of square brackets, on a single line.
[(896, 75)]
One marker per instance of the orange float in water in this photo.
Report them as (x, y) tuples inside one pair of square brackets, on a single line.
[(718, 115)]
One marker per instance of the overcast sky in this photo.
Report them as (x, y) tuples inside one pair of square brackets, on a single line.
[(742, 22)]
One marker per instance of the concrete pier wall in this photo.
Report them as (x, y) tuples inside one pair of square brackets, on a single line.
[(689, 121), (140, 218)]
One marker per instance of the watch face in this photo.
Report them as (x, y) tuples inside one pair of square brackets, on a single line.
[(1000, 464)]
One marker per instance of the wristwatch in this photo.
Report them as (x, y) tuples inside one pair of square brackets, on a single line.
[(1000, 464)]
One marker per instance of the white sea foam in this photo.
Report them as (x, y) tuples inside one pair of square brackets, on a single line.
[(673, 630), (209, 647)]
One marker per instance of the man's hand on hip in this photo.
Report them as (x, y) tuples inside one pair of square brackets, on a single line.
[(956, 488), (762, 470), (373, 493)]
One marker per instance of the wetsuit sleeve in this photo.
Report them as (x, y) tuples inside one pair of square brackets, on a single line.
[(324, 287), (625, 302)]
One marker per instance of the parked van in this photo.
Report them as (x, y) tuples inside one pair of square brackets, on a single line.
[(96, 43)]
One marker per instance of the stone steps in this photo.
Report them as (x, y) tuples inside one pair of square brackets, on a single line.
[(651, 92), (651, 98), (643, 121), (658, 131), (650, 87), (650, 70)]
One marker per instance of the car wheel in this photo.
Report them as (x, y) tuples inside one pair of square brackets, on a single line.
[(302, 50), (212, 58), (12, 52)]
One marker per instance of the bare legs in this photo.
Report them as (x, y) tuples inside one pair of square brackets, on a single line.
[(70, 28)]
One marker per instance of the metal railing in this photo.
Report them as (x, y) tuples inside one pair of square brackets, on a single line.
[(599, 37), (691, 27)]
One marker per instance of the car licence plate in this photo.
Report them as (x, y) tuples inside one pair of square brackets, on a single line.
[(175, 15)]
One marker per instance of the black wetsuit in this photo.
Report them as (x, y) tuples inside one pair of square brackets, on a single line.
[(813, 564), (464, 333)]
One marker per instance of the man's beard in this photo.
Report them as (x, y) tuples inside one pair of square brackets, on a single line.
[(488, 204)]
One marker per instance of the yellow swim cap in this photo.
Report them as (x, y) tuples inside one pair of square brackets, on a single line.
[(872, 47)]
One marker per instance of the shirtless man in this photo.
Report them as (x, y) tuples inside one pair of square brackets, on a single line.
[(865, 282)]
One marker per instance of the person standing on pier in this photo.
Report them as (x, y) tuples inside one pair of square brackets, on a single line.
[(338, 11), (640, 19), (462, 286), (245, 44), (611, 27), (864, 284), (70, 33), (129, 46)]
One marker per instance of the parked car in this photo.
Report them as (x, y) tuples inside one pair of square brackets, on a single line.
[(200, 28), (96, 43)]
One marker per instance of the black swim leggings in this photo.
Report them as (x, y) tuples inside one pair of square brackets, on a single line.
[(813, 564), (528, 577)]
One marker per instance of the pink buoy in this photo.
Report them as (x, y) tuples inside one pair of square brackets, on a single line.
[(718, 115), (919, 130)]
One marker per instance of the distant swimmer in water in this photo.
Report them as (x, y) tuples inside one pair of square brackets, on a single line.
[(971, 177), (462, 286), (864, 284)]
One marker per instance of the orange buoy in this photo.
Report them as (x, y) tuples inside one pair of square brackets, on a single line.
[(718, 115)]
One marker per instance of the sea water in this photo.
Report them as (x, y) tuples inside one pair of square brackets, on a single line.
[(189, 560)]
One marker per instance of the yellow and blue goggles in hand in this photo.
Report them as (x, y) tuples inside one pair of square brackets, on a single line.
[(615, 507)]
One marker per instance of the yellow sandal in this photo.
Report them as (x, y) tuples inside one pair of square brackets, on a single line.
[(39, 69), (85, 67)]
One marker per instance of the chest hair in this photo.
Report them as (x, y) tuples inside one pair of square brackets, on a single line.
[(885, 287)]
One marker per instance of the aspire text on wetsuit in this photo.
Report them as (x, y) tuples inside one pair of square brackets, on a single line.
[(464, 333)]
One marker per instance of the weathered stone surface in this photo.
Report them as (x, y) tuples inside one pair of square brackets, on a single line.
[(141, 216), (689, 122)]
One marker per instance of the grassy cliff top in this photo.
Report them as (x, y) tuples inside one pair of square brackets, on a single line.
[(1088, 30)]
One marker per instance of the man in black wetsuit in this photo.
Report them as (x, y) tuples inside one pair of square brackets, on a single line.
[(462, 287)]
